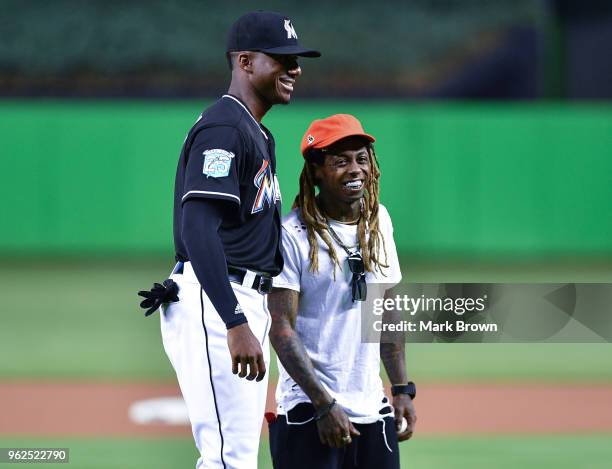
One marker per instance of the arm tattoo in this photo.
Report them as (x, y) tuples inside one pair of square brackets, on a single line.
[(393, 358), (392, 349), (283, 306)]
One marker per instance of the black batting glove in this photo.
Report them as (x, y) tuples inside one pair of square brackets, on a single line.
[(159, 294)]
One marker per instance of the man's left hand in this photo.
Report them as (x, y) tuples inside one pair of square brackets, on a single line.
[(404, 408)]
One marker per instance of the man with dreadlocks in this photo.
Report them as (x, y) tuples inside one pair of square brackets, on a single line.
[(332, 411)]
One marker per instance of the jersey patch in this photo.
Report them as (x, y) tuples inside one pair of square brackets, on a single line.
[(217, 163), (268, 188)]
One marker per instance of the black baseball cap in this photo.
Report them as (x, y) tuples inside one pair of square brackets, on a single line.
[(266, 31)]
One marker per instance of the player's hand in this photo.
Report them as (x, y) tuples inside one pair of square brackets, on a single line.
[(404, 409), (335, 427), (247, 357)]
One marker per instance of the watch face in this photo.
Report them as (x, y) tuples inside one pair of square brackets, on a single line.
[(409, 389)]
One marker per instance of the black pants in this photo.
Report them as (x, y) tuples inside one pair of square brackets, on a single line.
[(299, 447)]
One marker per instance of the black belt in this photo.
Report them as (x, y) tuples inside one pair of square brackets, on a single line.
[(261, 282)]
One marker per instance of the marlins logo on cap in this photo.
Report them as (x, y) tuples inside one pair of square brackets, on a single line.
[(266, 31)]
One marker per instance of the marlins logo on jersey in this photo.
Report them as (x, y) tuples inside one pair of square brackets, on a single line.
[(268, 188)]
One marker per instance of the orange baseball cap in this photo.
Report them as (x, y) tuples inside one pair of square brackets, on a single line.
[(325, 132)]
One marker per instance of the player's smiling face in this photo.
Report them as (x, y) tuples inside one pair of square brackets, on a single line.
[(274, 76), (345, 171)]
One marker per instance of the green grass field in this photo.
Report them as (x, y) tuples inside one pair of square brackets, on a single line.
[(504, 452), (81, 321), (77, 320)]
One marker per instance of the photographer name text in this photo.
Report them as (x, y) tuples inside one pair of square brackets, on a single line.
[(432, 326)]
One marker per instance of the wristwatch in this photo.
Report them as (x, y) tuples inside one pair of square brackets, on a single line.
[(409, 388)]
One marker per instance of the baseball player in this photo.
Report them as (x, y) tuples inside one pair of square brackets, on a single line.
[(332, 411), (227, 237)]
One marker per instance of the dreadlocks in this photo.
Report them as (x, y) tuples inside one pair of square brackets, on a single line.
[(316, 222)]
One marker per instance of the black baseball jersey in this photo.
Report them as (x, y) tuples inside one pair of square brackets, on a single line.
[(228, 156)]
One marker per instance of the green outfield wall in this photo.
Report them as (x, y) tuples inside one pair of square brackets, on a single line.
[(474, 180)]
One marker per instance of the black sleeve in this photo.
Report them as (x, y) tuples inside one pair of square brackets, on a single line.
[(201, 220), (212, 169)]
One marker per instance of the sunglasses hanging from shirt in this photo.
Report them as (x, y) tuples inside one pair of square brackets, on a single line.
[(359, 288)]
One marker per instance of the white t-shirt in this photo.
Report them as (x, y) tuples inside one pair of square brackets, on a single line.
[(329, 322)]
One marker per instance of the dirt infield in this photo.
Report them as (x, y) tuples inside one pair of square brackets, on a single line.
[(101, 409)]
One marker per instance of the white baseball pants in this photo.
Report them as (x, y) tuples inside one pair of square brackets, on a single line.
[(226, 412)]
